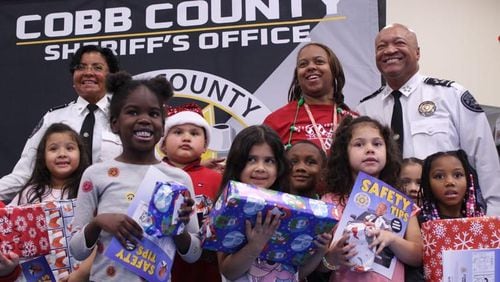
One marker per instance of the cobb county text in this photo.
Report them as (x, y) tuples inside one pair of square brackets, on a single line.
[(178, 26)]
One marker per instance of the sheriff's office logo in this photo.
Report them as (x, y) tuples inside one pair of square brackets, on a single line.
[(362, 200)]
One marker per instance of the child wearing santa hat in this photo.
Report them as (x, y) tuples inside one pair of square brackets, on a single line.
[(187, 135)]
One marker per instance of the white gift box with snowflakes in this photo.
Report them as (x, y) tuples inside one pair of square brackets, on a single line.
[(456, 234)]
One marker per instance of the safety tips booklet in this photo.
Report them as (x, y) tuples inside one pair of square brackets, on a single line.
[(385, 207), (152, 258)]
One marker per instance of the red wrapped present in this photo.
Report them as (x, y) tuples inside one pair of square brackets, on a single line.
[(23, 230), (39, 229), (456, 234)]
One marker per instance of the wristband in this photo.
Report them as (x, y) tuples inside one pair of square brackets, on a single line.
[(328, 265)]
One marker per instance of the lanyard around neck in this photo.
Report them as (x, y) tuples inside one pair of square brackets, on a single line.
[(315, 126)]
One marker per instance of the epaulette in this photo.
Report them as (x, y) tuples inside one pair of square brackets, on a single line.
[(439, 82), (60, 106), (372, 95)]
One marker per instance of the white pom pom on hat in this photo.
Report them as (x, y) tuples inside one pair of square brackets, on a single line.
[(186, 114)]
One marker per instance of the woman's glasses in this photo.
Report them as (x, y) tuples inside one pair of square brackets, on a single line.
[(99, 68)]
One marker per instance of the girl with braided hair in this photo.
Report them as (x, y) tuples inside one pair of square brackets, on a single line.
[(449, 186)]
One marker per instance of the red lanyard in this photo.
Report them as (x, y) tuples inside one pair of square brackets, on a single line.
[(315, 126)]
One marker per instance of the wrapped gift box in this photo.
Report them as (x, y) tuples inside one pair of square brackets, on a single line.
[(456, 234), (37, 230), (202, 207), (59, 216), (301, 220), (23, 230), (164, 208)]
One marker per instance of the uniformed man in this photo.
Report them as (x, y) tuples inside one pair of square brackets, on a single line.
[(436, 115), (89, 67)]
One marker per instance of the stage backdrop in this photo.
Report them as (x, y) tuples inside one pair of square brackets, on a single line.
[(235, 58)]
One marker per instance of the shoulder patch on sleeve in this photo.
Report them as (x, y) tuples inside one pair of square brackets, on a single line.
[(37, 127), (372, 95), (470, 103), (439, 82)]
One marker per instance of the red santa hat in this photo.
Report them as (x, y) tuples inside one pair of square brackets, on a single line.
[(186, 114)]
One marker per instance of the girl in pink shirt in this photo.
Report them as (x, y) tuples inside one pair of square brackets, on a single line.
[(363, 144)]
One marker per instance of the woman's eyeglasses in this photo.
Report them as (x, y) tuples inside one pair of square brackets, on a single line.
[(99, 68)]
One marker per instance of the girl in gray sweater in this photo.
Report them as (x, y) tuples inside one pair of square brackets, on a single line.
[(107, 189)]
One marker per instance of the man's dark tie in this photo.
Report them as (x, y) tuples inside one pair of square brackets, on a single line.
[(397, 119), (87, 130)]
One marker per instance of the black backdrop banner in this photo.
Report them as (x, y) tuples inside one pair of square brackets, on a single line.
[(235, 58)]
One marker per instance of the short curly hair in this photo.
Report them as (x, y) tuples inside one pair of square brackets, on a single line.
[(111, 59)]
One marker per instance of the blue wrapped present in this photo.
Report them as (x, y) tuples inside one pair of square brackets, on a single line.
[(301, 220), (164, 208)]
